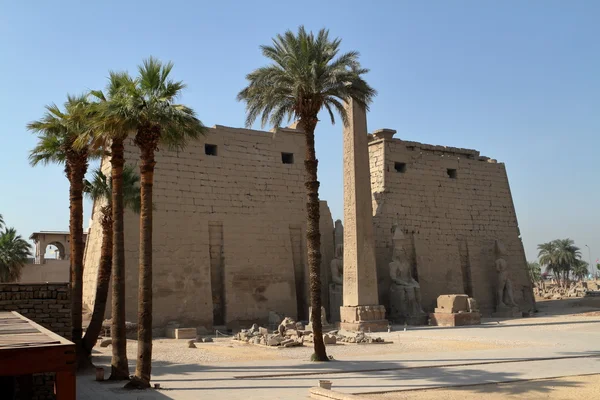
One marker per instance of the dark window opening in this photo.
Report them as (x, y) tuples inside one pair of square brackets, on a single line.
[(400, 167), (287, 158), (210, 149), (451, 173)]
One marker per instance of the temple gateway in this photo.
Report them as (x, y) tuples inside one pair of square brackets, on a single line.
[(229, 232)]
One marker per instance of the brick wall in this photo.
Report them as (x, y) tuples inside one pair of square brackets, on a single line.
[(258, 202), (450, 222), (47, 304)]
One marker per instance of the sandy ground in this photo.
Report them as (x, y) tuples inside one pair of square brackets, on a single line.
[(226, 350), (413, 341), (573, 387)]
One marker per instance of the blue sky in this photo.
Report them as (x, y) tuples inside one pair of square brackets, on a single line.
[(517, 80)]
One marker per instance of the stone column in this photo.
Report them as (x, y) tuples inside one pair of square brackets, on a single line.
[(361, 309)]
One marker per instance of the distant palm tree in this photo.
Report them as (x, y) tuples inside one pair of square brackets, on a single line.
[(1, 222), (580, 270), (535, 271), (306, 76), (14, 251), (57, 132), (559, 256), (150, 105), (99, 189)]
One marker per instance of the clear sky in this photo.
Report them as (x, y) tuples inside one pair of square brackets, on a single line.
[(517, 80)]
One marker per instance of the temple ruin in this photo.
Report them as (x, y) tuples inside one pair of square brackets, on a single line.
[(229, 229)]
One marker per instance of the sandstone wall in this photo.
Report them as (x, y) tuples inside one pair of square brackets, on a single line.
[(47, 304), (51, 271), (451, 205), (229, 230)]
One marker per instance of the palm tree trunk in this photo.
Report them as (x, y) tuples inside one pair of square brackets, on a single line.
[(313, 237), (102, 283), (119, 367), (147, 140), (77, 171)]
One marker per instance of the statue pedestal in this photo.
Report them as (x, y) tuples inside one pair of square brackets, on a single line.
[(401, 311), (363, 318), (504, 311), (455, 319), (335, 302)]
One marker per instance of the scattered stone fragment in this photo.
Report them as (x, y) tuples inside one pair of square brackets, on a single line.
[(329, 339), (191, 344), (106, 343), (207, 340)]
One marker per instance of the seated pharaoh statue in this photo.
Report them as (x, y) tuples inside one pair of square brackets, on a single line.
[(405, 291)]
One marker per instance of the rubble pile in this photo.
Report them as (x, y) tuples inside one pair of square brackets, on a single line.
[(342, 336), (290, 333), (557, 292)]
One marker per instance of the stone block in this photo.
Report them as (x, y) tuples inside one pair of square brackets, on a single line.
[(452, 303), (181, 333), (363, 318), (457, 319)]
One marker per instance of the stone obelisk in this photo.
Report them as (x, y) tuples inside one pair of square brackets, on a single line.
[(361, 309)]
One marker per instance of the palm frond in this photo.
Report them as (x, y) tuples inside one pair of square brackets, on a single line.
[(306, 76)]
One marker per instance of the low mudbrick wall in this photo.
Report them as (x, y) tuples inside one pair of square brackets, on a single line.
[(47, 304)]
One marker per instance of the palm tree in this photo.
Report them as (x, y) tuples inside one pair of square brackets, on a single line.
[(1, 221), (100, 189), (580, 270), (149, 103), (113, 125), (57, 132), (306, 76), (14, 251), (535, 271), (559, 256), (547, 257)]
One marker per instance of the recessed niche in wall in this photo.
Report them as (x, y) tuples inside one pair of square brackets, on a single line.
[(287, 158), (451, 173), (210, 149), (400, 167)]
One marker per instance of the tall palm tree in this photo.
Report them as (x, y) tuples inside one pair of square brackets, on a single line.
[(14, 251), (149, 103), (113, 124), (306, 75), (1, 221), (57, 132), (99, 188), (547, 257)]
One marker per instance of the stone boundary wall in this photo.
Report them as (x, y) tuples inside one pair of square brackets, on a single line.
[(47, 304)]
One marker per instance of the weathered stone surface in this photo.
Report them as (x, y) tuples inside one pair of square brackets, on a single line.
[(452, 303), (329, 339), (457, 319), (181, 333)]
